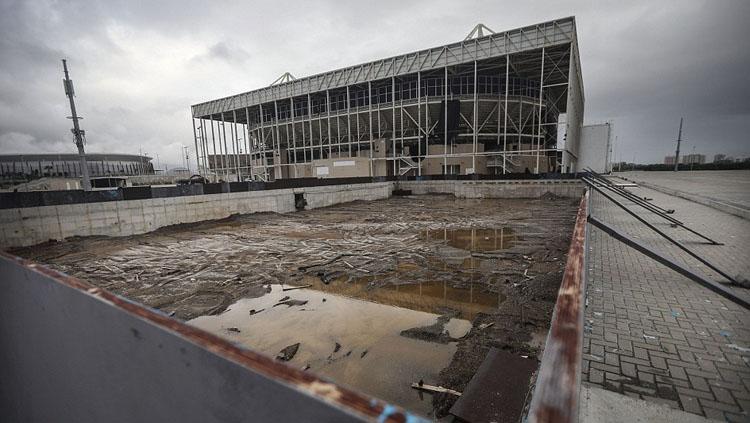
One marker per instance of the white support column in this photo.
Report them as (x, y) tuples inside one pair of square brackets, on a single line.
[(320, 136), (419, 123), (225, 153), (445, 122), (328, 110), (401, 121), (262, 150), (195, 138), (293, 150), (475, 122), (505, 124), (539, 130), (248, 144), (369, 112), (356, 117), (304, 140), (348, 121), (519, 129), (206, 167), (310, 125), (338, 133), (289, 147), (277, 141), (380, 135), (393, 122), (204, 144), (213, 141), (235, 145)]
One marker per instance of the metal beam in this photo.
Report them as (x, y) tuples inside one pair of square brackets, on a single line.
[(684, 271), (593, 186)]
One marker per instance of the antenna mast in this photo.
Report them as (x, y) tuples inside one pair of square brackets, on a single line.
[(677, 153), (77, 131)]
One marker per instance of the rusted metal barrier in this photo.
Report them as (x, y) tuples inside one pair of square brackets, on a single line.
[(555, 397), (70, 351)]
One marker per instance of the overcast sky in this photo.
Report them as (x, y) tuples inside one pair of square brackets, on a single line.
[(138, 65)]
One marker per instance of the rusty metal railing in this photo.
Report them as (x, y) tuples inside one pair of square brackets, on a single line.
[(74, 351), (555, 397)]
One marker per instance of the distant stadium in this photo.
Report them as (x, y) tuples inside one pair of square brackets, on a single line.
[(497, 103), (31, 166)]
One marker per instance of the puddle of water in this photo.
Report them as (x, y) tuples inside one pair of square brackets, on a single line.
[(373, 357), (480, 240), (428, 296)]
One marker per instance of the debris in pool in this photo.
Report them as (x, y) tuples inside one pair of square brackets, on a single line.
[(349, 353), (288, 353), (290, 303), (286, 297), (307, 367), (324, 300), (337, 347), (233, 329), (434, 389), (254, 311), (296, 287), (435, 332), (364, 353)]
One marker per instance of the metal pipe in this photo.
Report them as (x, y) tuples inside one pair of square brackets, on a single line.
[(626, 193), (635, 199), (713, 286), (655, 229)]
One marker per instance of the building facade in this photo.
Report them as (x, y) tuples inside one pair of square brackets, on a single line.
[(693, 159), (499, 103), (29, 166), (596, 147)]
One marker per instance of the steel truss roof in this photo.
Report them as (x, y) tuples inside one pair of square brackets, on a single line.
[(547, 34)]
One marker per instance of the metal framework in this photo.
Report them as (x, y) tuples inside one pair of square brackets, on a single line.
[(492, 104)]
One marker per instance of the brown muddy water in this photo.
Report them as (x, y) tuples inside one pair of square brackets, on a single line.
[(410, 284), (354, 342)]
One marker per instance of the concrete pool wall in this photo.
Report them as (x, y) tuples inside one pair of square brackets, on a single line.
[(21, 227)]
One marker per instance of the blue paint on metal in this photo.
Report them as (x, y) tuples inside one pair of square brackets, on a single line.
[(411, 418), (387, 411)]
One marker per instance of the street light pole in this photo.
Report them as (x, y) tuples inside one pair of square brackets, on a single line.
[(78, 133), (677, 153)]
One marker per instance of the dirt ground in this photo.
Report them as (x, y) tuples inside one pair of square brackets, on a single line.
[(497, 263)]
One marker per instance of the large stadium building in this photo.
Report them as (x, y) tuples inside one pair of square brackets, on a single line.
[(30, 166), (496, 103)]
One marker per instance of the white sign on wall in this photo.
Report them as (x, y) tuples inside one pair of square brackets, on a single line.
[(343, 163), (321, 170)]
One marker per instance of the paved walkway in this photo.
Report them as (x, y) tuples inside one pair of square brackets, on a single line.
[(653, 334), (731, 186)]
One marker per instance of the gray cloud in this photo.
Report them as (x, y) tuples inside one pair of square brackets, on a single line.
[(139, 65), (224, 51)]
